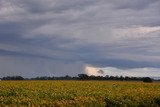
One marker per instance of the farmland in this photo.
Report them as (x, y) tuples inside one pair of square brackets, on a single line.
[(79, 93)]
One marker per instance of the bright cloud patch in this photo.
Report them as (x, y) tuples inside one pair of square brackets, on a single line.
[(132, 33), (113, 71)]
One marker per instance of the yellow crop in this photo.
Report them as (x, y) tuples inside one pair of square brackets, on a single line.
[(79, 94)]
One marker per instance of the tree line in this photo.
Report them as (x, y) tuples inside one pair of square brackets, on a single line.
[(81, 77)]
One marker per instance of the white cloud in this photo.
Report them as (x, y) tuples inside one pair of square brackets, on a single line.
[(113, 71)]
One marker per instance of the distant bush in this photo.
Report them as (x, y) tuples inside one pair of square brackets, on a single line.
[(147, 79), (83, 76), (13, 78)]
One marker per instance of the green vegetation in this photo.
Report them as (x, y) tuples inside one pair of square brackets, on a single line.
[(79, 93)]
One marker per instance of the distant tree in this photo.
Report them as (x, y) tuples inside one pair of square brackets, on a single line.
[(127, 78), (121, 78), (111, 77), (13, 78), (67, 77), (147, 79), (83, 76)]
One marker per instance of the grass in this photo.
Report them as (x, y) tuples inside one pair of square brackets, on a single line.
[(79, 93)]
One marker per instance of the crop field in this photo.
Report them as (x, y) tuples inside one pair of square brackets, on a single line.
[(79, 94)]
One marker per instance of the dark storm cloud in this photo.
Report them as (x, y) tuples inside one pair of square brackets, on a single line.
[(122, 34)]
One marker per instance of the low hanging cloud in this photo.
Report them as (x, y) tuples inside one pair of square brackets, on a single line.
[(113, 71)]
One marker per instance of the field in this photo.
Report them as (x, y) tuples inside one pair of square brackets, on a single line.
[(79, 93)]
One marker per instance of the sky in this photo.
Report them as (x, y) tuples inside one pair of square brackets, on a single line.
[(64, 37)]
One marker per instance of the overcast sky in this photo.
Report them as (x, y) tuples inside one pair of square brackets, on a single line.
[(61, 37)]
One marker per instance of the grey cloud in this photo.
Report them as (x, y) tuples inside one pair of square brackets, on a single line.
[(136, 4), (28, 67), (57, 6), (102, 33)]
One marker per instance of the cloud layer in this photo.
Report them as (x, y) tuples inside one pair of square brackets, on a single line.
[(61, 37)]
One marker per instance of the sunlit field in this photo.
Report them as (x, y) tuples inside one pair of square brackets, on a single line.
[(79, 93)]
